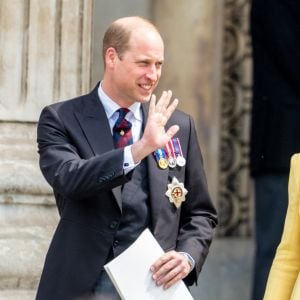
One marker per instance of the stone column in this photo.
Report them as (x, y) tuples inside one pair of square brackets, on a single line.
[(45, 57), (45, 54)]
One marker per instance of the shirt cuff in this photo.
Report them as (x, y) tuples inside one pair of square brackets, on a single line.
[(128, 163), (189, 259)]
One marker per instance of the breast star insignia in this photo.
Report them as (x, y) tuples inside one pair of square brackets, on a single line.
[(176, 192)]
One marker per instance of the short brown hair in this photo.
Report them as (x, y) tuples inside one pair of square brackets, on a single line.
[(116, 36)]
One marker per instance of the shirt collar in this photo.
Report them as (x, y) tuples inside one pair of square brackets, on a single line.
[(111, 106)]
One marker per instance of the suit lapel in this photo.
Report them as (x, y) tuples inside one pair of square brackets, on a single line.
[(95, 126), (94, 123), (158, 180)]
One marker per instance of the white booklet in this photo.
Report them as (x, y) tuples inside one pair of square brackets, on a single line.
[(131, 275)]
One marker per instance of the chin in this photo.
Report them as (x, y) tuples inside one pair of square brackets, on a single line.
[(144, 99)]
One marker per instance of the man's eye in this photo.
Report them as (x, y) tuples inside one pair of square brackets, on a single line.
[(143, 63)]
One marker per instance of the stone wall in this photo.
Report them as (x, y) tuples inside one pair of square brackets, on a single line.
[(45, 56), (27, 211)]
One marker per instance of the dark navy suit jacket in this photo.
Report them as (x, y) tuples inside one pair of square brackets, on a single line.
[(79, 161)]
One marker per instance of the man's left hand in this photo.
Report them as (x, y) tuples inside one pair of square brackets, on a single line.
[(170, 268)]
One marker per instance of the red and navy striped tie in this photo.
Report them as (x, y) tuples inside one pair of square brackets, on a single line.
[(122, 130)]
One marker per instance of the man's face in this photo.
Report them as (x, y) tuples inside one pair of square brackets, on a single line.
[(137, 72)]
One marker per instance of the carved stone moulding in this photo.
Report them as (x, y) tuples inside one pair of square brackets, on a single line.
[(234, 182)]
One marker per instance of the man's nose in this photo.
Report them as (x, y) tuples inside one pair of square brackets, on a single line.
[(152, 73)]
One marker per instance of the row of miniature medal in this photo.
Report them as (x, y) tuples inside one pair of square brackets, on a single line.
[(170, 155)]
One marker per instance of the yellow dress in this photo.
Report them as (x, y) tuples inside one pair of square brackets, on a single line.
[(284, 280)]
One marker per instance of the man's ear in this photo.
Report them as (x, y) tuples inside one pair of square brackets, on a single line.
[(110, 57)]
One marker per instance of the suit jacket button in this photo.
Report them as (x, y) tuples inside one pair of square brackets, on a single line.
[(116, 243), (113, 224)]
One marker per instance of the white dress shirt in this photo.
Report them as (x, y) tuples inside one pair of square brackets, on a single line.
[(134, 116)]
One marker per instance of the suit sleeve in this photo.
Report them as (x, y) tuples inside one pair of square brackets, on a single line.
[(198, 216), (286, 264), (69, 174)]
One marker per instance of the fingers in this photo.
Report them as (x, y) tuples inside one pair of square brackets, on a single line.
[(169, 269), (162, 105), (155, 134), (152, 104), (171, 108), (172, 277), (172, 131), (163, 101)]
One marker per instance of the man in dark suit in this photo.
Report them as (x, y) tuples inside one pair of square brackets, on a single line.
[(107, 192), (275, 134)]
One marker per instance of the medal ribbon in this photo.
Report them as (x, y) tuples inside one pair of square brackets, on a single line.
[(177, 147), (169, 148), (159, 153)]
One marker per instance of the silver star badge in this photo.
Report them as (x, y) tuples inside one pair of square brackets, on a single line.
[(176, 192)]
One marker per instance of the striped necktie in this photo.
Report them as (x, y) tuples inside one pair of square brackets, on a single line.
[(122, 135)]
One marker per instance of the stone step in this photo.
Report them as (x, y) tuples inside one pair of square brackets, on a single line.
[(227, 272), (25, 233)]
